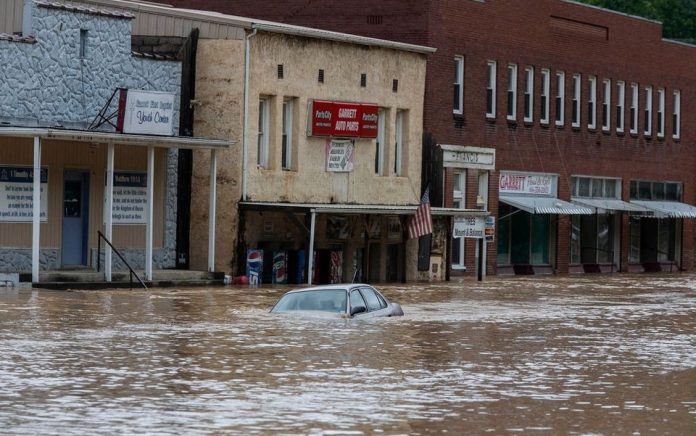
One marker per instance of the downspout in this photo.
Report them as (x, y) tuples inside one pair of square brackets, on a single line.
[(245, 141)]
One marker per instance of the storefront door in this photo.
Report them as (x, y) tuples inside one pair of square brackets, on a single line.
[(75, 217)]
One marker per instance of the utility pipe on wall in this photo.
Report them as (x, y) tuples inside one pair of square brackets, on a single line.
[(245, 131)]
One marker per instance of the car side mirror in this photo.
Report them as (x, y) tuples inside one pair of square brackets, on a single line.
[(357, 309)]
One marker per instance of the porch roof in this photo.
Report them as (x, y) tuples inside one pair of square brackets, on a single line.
[(545, 205), (357, 209), (668, 209)]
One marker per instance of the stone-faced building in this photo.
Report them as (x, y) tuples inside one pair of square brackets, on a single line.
[(587, 111), (71, 150)]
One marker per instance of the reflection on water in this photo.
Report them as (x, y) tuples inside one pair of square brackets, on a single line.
[(572, 355)]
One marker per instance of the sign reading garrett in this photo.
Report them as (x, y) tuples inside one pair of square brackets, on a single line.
[(536, 184), (145, 112), (343, 120)]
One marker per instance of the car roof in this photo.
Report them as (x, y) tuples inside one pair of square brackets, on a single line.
[(344, 286)]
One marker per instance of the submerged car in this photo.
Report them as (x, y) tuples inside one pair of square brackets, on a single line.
[(351, 300)]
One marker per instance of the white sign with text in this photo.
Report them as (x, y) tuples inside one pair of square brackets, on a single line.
[(147, 113), (469, 227), (130, 198), (17, 194), (534, 184)]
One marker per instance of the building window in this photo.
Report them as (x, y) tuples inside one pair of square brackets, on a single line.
[(379, 149), (512, 93), (529, 95), (595, 187), (83, 43), (287, 138), (262, 142), (676, 116), (458, 196), (620, 101), (458, 85), (592, 104), (648, 111), (661, 113), (560, 98), (399, 143), (606, 104), (545, 91), (634, 109), (490, 89), (650, 190), (575, 115)]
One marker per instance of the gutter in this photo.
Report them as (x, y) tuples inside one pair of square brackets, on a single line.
[(245, 128)]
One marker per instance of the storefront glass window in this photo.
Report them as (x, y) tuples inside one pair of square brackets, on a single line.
[(634, 254), (540, 239), (503, 257), (604, 239), (665, 240), (575, 239), (520, 232)]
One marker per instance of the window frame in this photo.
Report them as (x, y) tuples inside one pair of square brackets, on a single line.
[(660, 131), (592, 103), (491, 78), (458, 105), (576, 116), (647, 130), (286, 142), (544, 100), (635, 105), (380, 141), (262, 150), (606, 105), (560, 98), (459, 194), (512, 92), (620, 105), (676, 114), (529, 94), (398, 142)]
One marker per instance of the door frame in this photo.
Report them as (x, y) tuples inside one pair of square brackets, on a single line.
[(84, 210)]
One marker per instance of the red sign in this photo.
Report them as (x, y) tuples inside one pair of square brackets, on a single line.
[(344, 120)]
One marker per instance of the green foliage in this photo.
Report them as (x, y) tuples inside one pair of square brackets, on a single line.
[(678, 16)]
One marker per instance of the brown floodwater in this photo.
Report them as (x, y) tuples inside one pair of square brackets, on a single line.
[(594, 354)]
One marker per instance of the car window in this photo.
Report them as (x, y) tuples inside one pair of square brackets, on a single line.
[(373, 302), (356, 299), (325, 300)]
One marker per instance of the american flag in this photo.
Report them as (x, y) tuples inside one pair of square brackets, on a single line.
[(421, 223)]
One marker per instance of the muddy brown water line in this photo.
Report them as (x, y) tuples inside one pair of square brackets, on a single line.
[(601, 354)]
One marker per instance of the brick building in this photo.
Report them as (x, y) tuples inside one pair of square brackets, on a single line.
[(583, 111)]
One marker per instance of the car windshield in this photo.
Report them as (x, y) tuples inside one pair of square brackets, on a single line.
[(325, 300)]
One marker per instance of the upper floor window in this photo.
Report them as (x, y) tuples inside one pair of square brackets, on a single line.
[(458, 104), (661, 113), (606, 104), (676, 116), (83, 43), (545, 91), (560, 98), (287, 138), (458, 197), (648, 110), (653, 190), (399, 143), (512, 93), (575, 115), (595, 187), (529, 94), (490, 89), (592, 103), (379, 143), (262, 141), (634, 109), (620, 101)]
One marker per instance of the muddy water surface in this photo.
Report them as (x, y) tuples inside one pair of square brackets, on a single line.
[(570, 355)]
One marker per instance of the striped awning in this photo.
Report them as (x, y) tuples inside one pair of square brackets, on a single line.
[(604, 205), (545, 205), (668, 209)]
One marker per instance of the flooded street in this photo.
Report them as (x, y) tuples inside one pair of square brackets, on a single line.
[(570, 355)]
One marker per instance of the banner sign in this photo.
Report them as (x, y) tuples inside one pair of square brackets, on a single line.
[(469, 227), (145, 112), (130, 198), (534, 184), (340, 155), (343, 120), (17, 194)]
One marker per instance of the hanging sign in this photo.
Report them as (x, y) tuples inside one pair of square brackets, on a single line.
[(17, 194), (145, 112), (343, 120), (469, 227), (130, 198), (340, 155)]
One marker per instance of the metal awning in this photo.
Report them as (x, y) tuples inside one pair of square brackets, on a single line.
[(357, 209), (668, 209), (545, 205), (604, 205)]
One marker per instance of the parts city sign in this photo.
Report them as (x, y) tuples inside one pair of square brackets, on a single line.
[(342, 119)]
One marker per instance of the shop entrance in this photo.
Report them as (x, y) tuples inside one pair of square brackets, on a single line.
[(75, 218)]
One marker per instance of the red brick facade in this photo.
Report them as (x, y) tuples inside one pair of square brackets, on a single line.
[(556, 35)]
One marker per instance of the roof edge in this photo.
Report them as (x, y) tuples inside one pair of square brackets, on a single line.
[(600, 8)]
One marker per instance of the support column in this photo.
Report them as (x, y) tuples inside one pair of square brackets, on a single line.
[(310, 251), (149, 213), (212, 212), (36, 219), (108, 210)]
